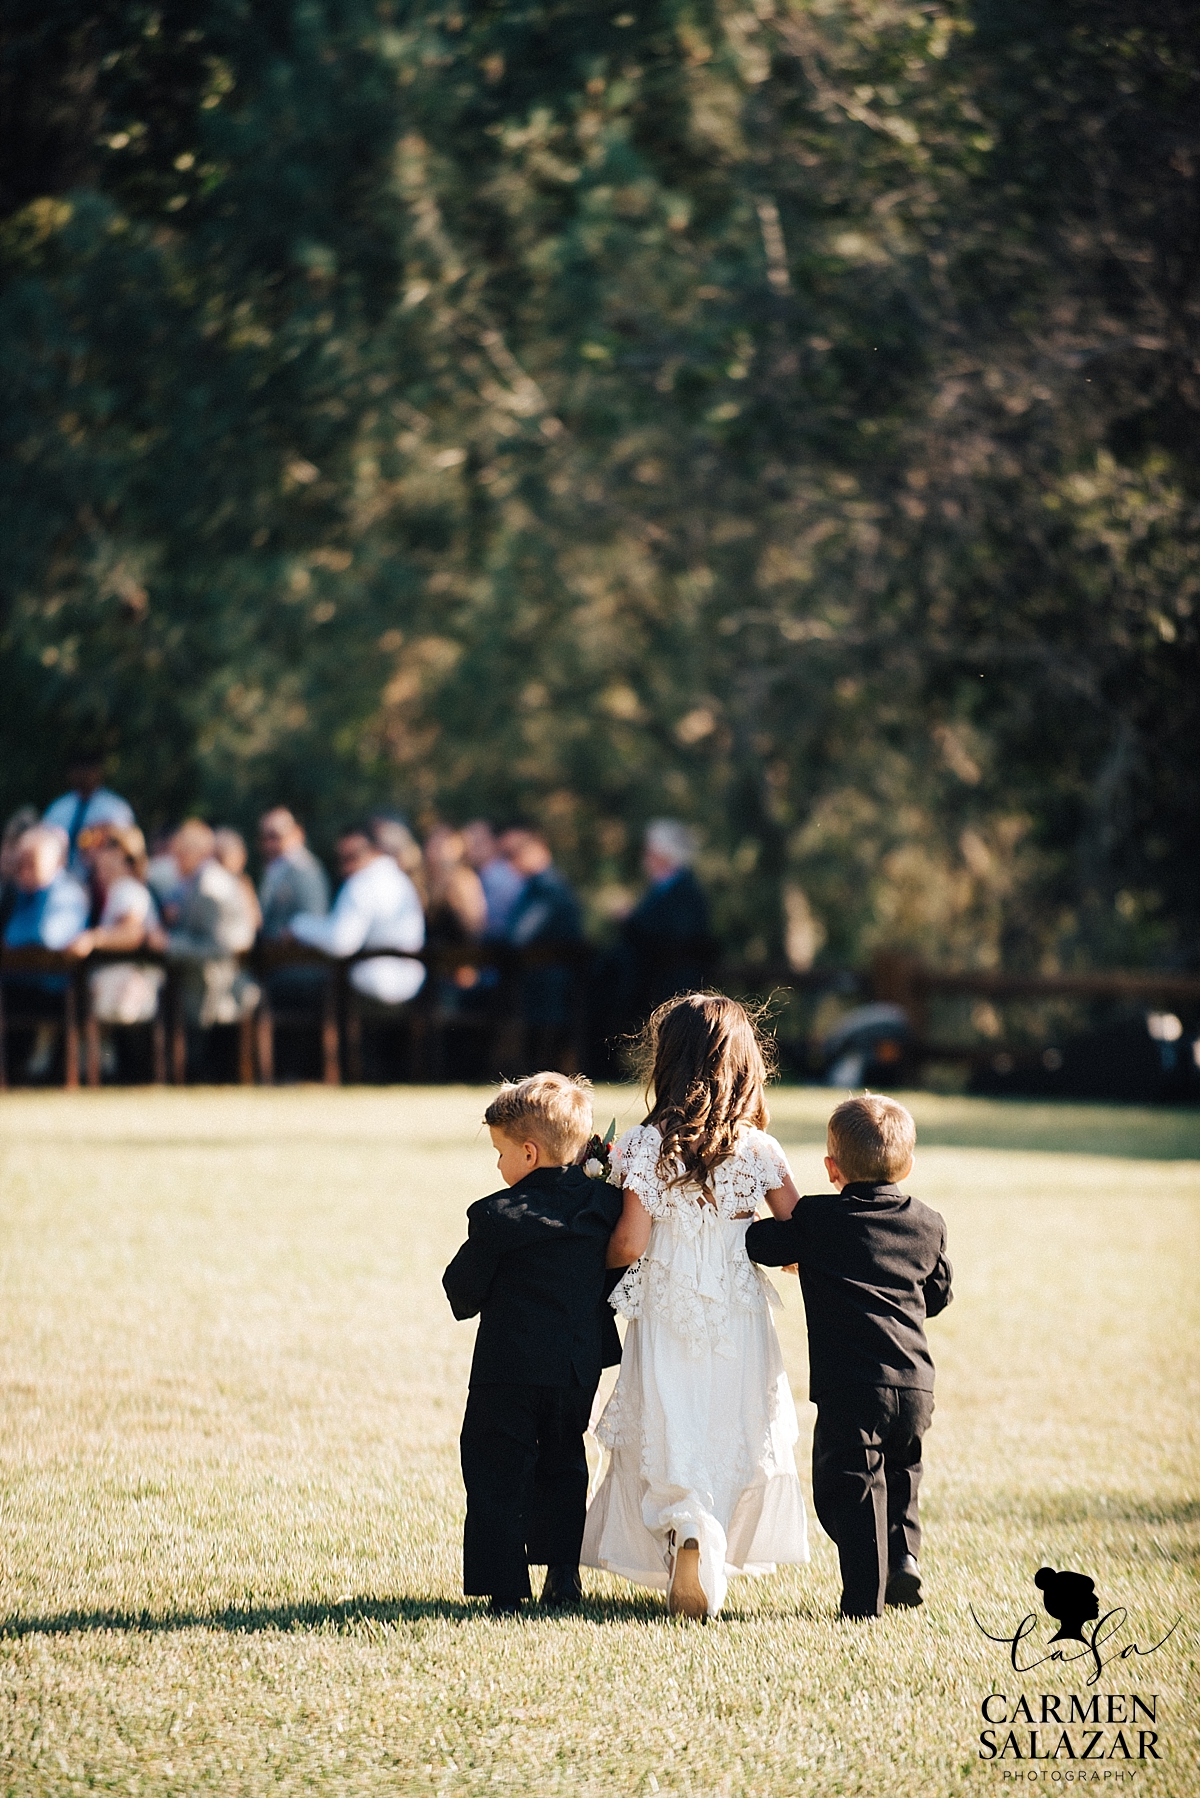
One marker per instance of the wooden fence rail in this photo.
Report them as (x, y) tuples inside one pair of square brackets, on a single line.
[(336, 1011)]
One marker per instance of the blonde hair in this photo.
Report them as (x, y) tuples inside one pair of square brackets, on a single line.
[(131, 843), (706, 1063), (872, 1138), (552, 1110)]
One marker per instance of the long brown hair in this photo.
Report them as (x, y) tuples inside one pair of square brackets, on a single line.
[(707, 1065)]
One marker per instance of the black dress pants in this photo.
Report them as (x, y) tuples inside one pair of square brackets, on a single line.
[(866, 1471), (526, 1474)]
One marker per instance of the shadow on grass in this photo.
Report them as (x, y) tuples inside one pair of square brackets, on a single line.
[(346, 1616)]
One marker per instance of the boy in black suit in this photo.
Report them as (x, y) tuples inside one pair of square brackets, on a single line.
[(532, 1267), (872, 1267)]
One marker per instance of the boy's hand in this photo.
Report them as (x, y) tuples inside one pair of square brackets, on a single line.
[(792, 1267)]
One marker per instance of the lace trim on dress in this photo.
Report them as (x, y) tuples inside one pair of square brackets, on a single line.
[(740, 1183), (693, 1277)]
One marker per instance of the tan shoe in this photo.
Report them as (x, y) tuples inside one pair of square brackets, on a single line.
[(687, 1597)]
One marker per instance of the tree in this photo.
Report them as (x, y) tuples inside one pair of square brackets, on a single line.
[(778, 418)]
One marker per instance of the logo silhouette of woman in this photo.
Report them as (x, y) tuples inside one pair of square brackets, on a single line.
[(1070, 1598)]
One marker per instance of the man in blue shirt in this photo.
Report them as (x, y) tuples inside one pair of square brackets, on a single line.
[(87, 807), (51, 910)]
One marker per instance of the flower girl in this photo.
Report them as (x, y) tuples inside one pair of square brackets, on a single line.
[(701, 1482)]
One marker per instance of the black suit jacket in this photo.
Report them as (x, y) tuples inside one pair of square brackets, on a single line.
[(532, 1268), (872, 1268), (674, 908), (546, 912), (667, 943)]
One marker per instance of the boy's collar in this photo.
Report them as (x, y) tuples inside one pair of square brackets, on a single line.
[(543, 1174), (872, 1189)]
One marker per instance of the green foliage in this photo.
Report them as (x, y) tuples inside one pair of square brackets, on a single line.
[(778, 417)]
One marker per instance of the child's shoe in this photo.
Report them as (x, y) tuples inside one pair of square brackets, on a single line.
[(563, 1590), (687, 1597), (904, 1585), (504, 1607)]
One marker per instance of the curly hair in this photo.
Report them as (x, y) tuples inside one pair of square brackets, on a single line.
[(706, 1064)]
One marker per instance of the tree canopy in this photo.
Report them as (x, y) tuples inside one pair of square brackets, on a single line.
[(781, 416)]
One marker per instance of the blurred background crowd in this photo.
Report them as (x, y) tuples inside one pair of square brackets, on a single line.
[(466, 953), (80, 879)]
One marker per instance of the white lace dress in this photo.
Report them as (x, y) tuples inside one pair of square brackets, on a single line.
[(701, 1427)]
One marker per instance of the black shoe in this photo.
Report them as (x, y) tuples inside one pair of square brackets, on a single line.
[(504, 1607), (563, 1590), (904, 1585)]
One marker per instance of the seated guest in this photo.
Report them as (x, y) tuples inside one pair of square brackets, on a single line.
[(21, 820), (665, 934), (87, 805), (546, 913), (229, 848), (162, 871), (546, 910), (293, 880), (52, 906), (390, 833), (456, 908), (126, 906), (123, 992), (377, 907), (50, 911), (500, 880), (210, 927)]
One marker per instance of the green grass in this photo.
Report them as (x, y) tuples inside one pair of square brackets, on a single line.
[(230, 1503)]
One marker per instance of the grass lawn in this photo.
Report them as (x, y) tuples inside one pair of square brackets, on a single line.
[(230, 1503)]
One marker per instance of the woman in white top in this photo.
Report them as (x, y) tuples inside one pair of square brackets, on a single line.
[(701, 1481), (121, 992)]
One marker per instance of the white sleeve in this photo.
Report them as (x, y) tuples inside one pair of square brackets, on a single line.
[(635, 1162), (127, 899), (774, 1161), (66, 914), (342, 931)]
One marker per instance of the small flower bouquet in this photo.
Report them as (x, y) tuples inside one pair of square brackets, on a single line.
[(597, 1154)]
